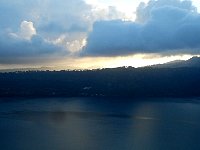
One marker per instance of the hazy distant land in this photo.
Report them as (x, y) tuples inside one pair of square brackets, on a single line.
[(180, 80)]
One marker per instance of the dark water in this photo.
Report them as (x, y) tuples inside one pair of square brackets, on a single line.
[(99, 124)]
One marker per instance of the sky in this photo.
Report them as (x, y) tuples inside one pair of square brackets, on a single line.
[(86, 34)]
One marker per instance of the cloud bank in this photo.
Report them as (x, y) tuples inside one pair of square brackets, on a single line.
[(25, 45), (45, 28), (35, 29), (161, 26)]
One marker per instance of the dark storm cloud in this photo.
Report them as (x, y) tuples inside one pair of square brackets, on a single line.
[(17, 50), (28, 28), (171, 26), (31, 29)]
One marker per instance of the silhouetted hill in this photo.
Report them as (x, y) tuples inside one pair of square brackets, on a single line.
[(192, 62), (117, 82), (30, 69)]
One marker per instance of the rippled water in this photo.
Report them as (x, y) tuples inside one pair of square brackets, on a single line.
[(99, 124)]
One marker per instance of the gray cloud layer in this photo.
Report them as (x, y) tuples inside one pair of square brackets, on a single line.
[(22, 51), (171, 26), (20, 41), (45, 28)]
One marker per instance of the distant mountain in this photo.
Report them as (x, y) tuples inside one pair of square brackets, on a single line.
[(26, 69), (192, 62), (34, 69)]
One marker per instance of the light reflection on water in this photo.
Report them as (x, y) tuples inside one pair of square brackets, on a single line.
[(99, 124)]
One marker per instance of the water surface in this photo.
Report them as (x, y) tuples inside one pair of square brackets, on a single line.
[(99, 124)]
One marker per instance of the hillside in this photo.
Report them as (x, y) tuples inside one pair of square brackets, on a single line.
[(192, 62), (118, 82)]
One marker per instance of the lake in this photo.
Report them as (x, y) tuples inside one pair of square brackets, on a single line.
[(99, 124)]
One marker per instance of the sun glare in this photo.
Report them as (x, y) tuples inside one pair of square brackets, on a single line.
[(139, 60)]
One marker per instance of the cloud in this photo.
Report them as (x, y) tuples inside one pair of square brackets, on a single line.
[(162, 26), (70, 24), (25, 45), (20, 42), (61, 16), (144, 11), (27, 30), (35, 29), (45, 28), (20, 50)]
